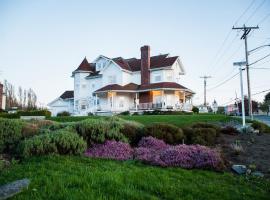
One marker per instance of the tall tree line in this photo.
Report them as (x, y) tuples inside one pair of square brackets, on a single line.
[(21, 98)]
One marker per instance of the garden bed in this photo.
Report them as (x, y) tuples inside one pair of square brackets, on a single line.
[(256, 150)]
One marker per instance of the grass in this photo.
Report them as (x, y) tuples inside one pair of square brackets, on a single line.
[(178, 120), (65, 177)]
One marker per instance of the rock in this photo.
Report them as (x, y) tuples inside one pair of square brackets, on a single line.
[(10, 189), (258, 174), (239, 169)]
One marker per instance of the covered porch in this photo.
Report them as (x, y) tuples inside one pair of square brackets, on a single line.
[(116, 100)]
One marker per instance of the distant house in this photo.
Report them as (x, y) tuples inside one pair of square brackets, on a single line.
[(2, 98), (113, 85)]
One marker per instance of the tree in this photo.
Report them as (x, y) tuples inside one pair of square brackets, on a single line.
[(20, 95), (255, 106), (265, 106)]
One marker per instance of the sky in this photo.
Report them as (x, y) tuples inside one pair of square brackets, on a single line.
[(42, 42)]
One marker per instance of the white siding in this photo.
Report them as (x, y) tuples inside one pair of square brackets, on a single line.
[(112, 71)]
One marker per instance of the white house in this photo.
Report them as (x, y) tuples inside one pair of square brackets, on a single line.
[(113, 85)]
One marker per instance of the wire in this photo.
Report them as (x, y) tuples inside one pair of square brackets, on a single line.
[(259, 67), (223, 82), (244, 12), (260, 59), (258, 7), (263, 19), (261, 92)]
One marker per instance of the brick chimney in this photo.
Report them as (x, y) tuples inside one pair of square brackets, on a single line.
[(145, 65)]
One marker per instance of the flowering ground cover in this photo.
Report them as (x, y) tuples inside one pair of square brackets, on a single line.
[(75, 177), (156, 152)]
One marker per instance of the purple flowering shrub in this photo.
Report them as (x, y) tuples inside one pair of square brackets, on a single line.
[(111, 149), (191, 156), (156, 152), (153, 143)]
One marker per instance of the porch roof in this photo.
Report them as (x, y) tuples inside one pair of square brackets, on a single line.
[(132, 87)]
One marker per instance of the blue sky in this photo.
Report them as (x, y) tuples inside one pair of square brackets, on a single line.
[(42, 42)]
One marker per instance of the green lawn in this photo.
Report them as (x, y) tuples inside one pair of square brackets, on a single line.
[(63, 177), (179, 120)]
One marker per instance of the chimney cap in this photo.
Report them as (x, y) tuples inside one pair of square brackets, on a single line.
[(145, 47)]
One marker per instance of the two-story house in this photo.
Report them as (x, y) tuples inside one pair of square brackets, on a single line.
[(113, 85)]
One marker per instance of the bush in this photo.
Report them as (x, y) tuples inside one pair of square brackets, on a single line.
[(195, 109), (42, 123), (153, 143), (63, 114), (169, 133), (263, 128), (58, 142), (10, 133), (185, 156), (29, 130), (207, 125), (124, 113), (169, 112), (133, 131), (99, 130), (191, 156), (45, 113), (229, 130), (204, 136), (112, 150)]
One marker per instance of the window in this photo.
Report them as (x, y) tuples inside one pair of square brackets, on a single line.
[(157, 78), (112, 79), (83, 85), (83, 107), (93, 86)]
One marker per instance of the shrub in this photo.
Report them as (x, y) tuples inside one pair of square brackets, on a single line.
[(29, 130), (43, 123), (207, 125), (63, 114), (169, 133), (58, 142), (263, 128), (153, 143), (124, 113), (204, 136), (189, 134), (10, 133), (45, 113), (229, 130), (185, 156), (112, 150), (133, 131), (191, 156), (98, 130), (195, 109)]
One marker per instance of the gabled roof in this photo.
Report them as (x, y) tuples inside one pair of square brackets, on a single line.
[(67, 94), (130, 64), (168, 85), (85, 66), (134, 64), (116, 87)]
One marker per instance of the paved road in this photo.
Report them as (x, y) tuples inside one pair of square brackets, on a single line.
[(263, 118)]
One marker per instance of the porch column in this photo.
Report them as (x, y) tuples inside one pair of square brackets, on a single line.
[(184, 97), (163, 99), (96, 102), (136, 101)]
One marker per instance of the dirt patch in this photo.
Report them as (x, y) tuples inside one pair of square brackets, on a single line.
[(256, 150)]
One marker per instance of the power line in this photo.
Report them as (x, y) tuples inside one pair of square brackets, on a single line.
[(260, 59), (261, 92), (263, 19), (258, 7), (244, 12), (223, 82)]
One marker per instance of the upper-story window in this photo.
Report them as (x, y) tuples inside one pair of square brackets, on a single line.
[(169, 76), (93, 85), (157, 78), (83, 86), (112, 79)]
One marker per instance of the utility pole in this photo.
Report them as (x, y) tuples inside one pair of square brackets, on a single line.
[(205, 79), (240, 64), (244, 36)]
